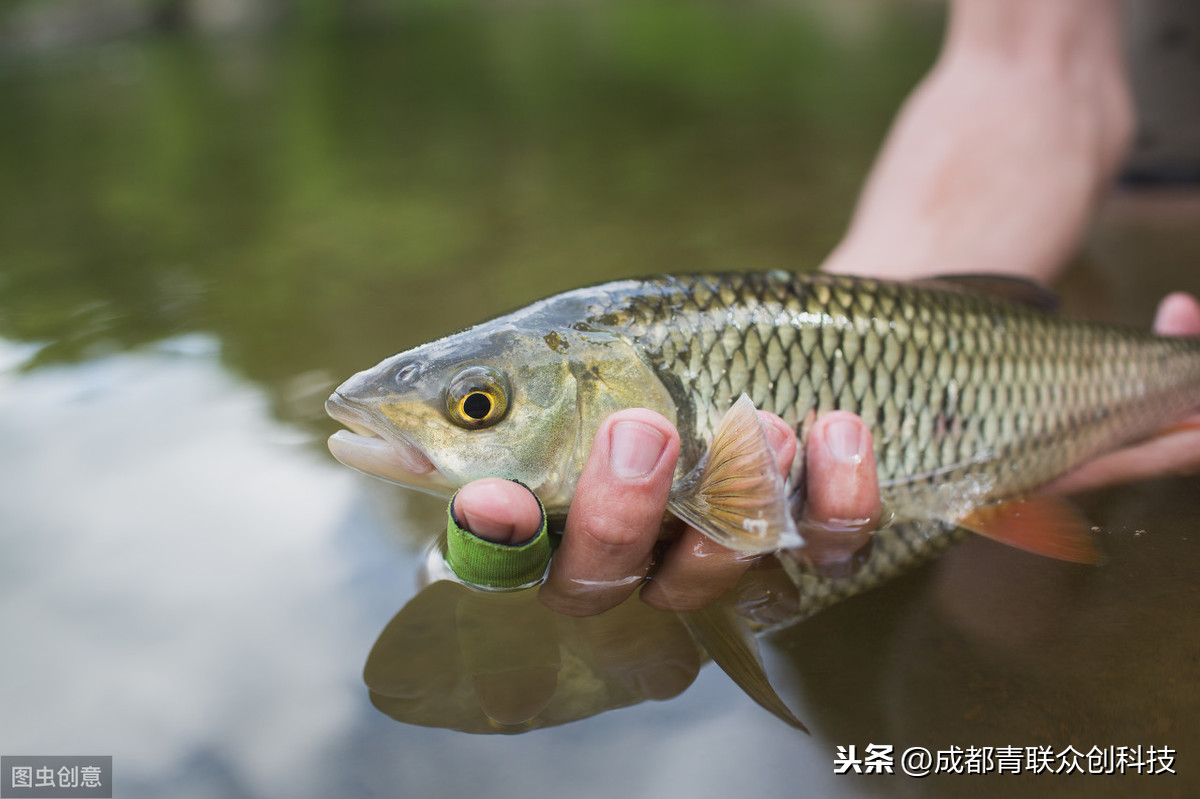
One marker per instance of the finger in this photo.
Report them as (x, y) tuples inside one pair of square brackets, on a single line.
[(696, 570), (1178, 315), (782, 439), (497, 510), (616, 514), (843, 490)]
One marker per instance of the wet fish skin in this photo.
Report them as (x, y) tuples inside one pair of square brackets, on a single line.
[(956, 387), (970, 398)]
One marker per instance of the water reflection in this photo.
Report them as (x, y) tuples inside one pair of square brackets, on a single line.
[(158, 603), (500, 662), (488, 662), (1003, 648)]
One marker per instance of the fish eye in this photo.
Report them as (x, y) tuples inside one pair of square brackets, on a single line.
[(477, 397), (477, 405)]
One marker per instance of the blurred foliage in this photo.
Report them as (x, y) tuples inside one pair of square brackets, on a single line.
[(318, 201)]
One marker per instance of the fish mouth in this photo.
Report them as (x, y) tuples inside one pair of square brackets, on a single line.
[(386, 455)]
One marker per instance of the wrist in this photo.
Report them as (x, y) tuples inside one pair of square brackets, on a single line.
[(1031, 32), (1070, 51)]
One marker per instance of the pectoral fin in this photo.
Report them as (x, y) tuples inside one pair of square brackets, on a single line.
[(1046, 526), (736, 495)]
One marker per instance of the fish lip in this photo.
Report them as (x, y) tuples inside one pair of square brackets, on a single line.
[(365, 447), (346, 412)]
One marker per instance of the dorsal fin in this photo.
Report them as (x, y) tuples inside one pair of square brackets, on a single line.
[(735, 495), (1014, 289)]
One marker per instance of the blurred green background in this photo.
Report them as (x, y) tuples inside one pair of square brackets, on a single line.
[(304, 179)]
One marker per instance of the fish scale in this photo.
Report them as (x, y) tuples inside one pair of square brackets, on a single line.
[(969, 398), (979, 391)]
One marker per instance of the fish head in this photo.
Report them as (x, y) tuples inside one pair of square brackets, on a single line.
[(502, 399)]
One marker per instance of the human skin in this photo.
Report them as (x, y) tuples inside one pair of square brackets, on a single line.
[(994, 165)]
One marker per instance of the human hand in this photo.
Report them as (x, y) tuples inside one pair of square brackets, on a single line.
[(613, 525)]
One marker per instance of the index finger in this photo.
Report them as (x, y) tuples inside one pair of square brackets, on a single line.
[(615, 516)]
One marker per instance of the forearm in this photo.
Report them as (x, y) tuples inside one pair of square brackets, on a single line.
[(996, 161)]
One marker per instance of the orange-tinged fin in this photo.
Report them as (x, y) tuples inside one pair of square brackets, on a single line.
[(1014, 289), (1046, 526), (735, 495)]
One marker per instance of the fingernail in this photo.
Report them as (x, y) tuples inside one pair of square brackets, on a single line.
[(482, 526), (776, 437), (634, 449), (487, 510), (844, 441)]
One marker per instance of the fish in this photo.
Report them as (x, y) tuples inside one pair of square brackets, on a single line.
[(975, 390)]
